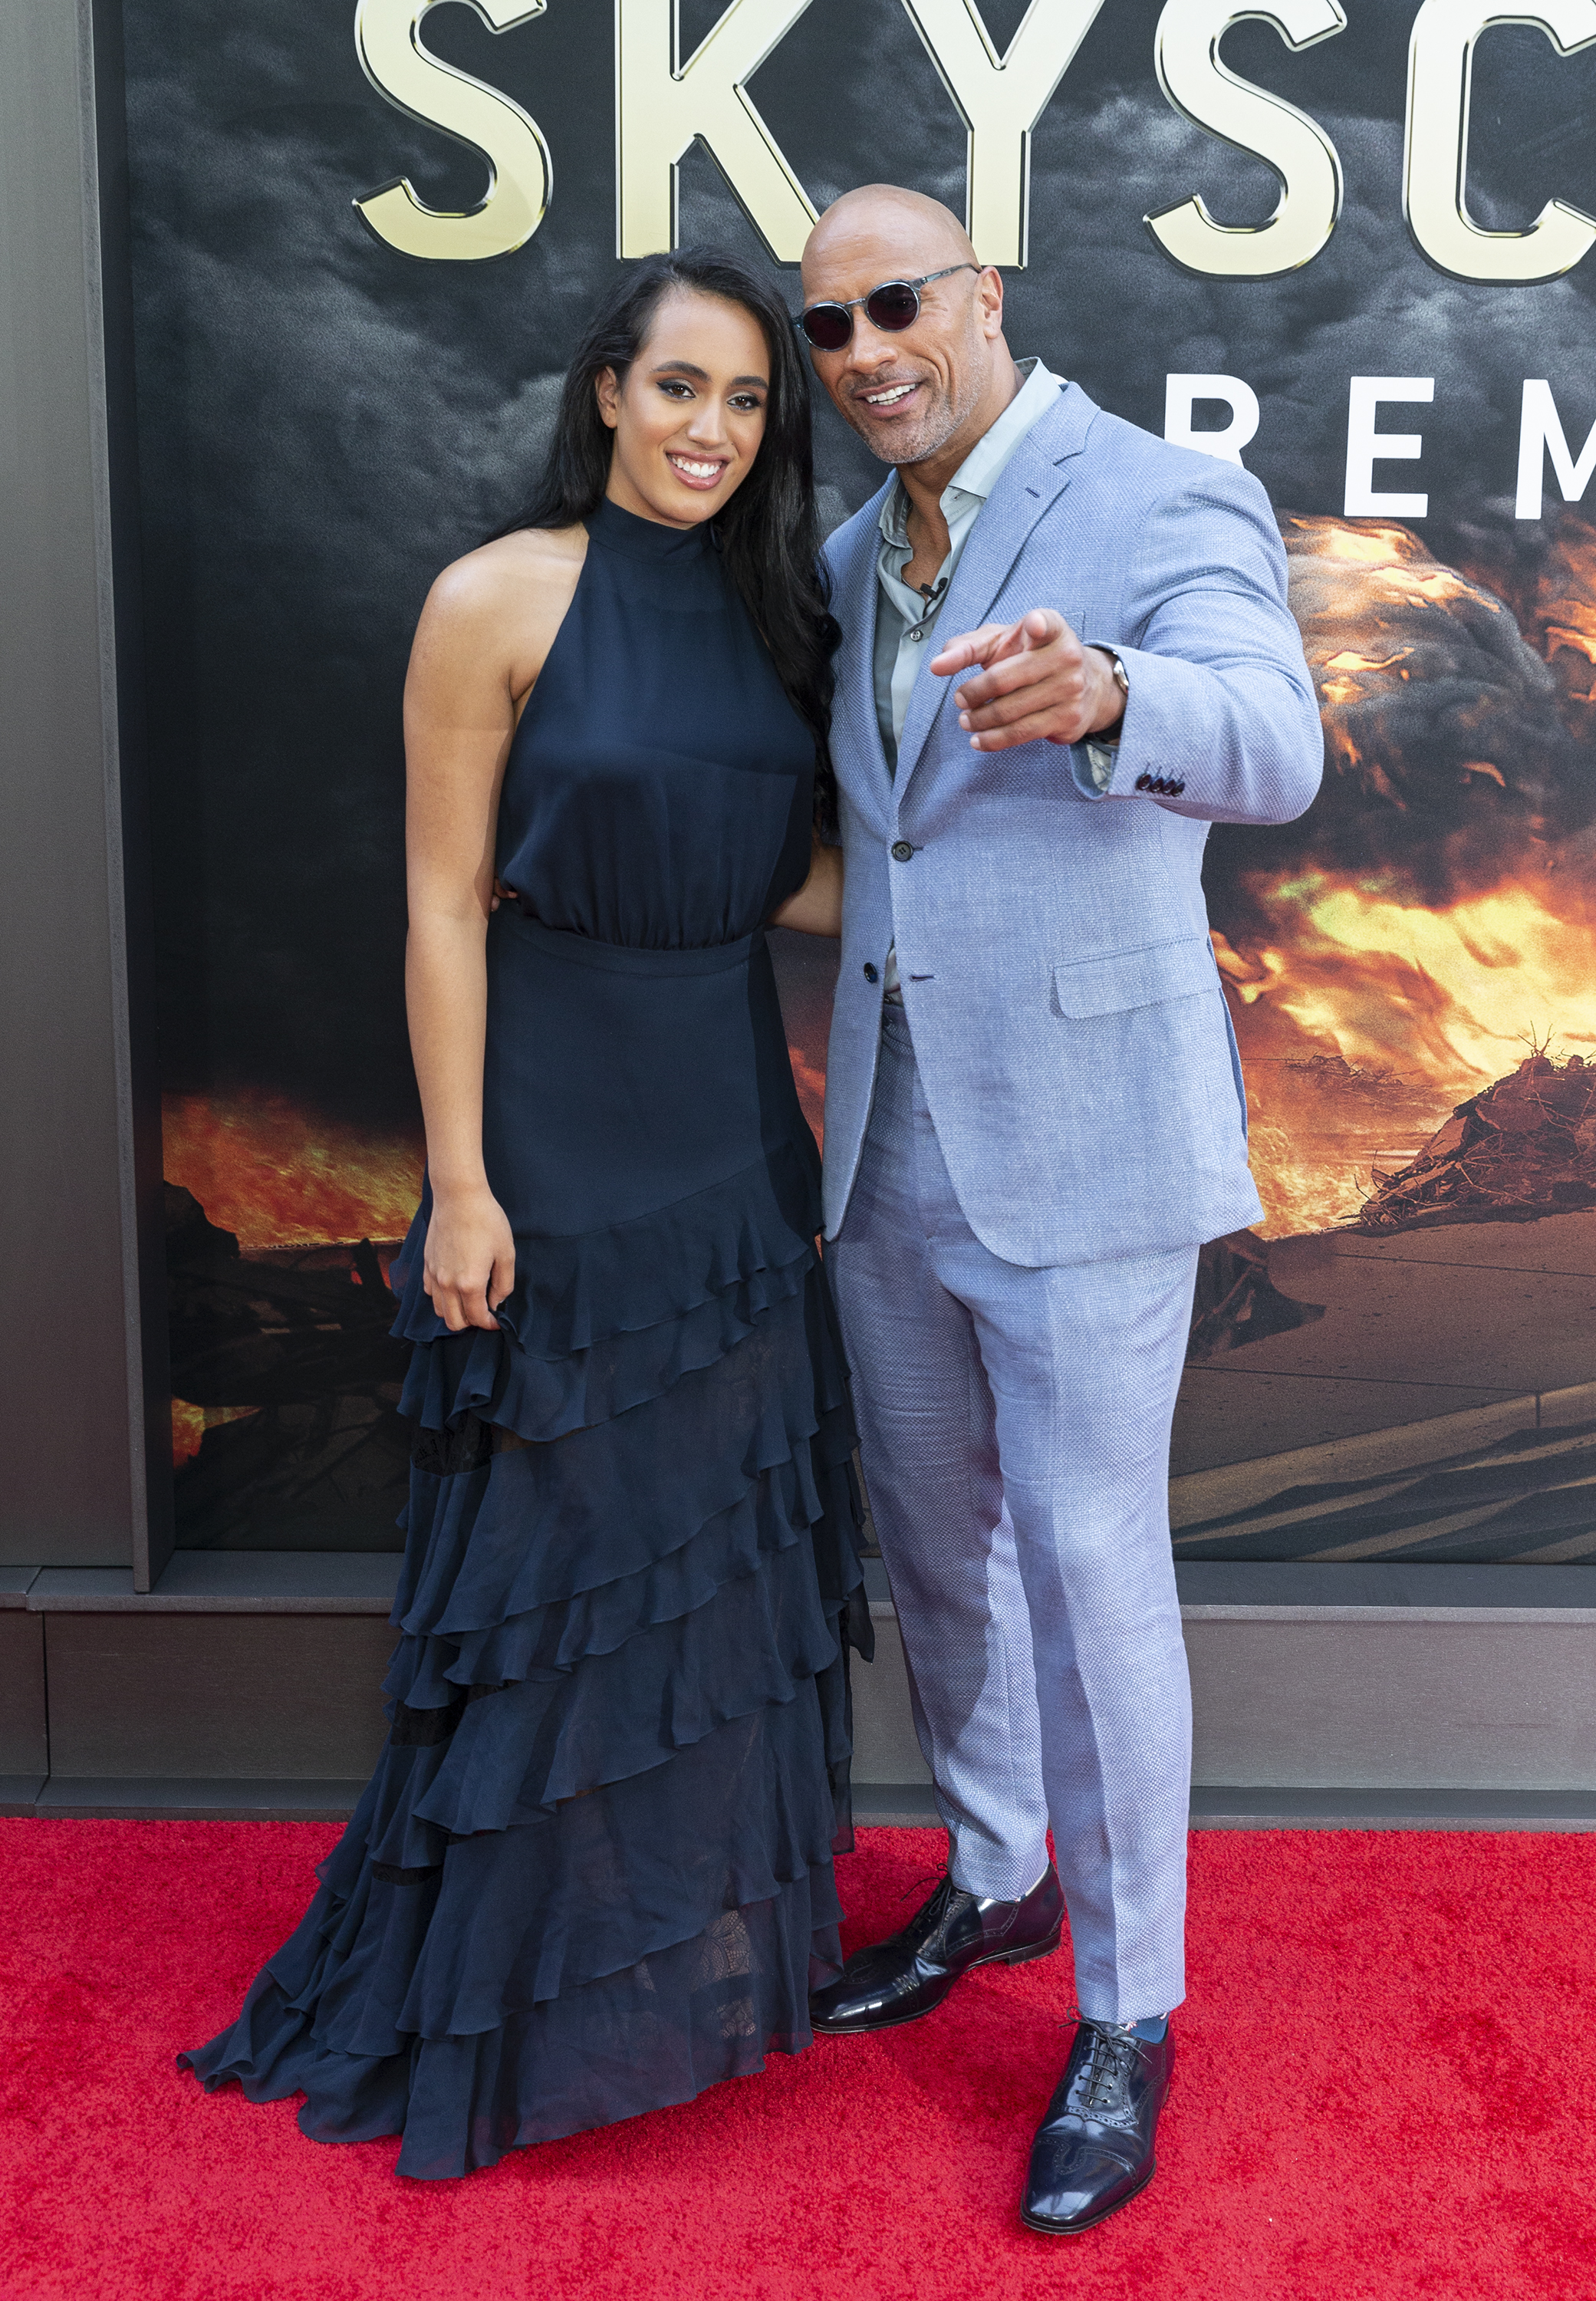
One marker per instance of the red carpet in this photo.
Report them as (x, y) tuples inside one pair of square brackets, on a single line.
[(1382, 2092)]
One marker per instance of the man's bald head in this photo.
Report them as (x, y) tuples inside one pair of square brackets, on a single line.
[(910, 393), (889, 216)]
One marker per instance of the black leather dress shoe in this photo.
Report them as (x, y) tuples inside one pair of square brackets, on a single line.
[(901, 1978), (1094, 2149)]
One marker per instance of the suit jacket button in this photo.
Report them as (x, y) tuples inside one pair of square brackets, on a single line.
[(1175, 790), (902, 852), (1144, 782), (871, 974)]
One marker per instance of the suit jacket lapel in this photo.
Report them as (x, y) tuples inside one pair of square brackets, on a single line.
[(1031, 482), (858, 756)]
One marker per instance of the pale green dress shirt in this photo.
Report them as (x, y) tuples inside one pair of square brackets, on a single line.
[(905, 617)]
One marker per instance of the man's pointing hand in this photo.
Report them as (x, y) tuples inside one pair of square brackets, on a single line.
[(1036, 683)]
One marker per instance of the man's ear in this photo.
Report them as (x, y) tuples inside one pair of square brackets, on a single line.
[(989, 288), (606, 390)]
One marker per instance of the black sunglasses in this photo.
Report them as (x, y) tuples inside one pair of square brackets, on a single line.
[(891, 308)]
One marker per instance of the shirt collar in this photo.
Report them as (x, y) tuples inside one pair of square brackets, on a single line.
[(983, 467)]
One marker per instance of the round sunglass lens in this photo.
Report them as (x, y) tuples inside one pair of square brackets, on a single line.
[(828, 326), (893, 307)]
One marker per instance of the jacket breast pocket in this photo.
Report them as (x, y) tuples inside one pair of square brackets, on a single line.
[(1122, 979)]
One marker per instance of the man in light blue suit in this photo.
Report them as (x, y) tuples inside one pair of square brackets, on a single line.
[(1034, 1114)]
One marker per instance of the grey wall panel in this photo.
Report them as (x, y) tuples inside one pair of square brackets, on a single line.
[(133, 964), (24, 1747), (1403, 1704), (1411, 1704), (68, 1292), (195, 1695)]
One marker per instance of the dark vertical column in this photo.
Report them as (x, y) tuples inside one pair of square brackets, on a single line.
[(81, 1373)]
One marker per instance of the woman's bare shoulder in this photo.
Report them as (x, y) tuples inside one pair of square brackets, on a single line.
[(494, 613), (508, 573)]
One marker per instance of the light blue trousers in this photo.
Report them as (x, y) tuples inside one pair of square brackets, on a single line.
[(1015, 1432)]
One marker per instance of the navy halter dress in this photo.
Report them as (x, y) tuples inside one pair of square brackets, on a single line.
[(592, 1873)]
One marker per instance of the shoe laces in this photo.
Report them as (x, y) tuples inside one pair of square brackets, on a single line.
[(920, 1885), (1112, 2054)]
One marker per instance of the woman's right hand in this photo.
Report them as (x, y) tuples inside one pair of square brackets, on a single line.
[(816, 909), (469, 1267)]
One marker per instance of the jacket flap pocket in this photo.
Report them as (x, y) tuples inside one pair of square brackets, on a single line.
[(1136, 978)]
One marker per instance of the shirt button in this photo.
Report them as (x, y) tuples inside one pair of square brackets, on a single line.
[(902, 852), (871, 974)]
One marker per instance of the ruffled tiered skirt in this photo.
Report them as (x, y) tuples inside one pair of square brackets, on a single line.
[(592, 1873)]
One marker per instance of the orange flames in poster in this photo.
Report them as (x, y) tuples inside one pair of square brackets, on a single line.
[(189, 1424), (809, 1076), (1364, 1013), (279, 1176), (280, 1179), (1369, 1018)]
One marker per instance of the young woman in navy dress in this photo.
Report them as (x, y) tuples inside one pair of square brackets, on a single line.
[(592, 1873)]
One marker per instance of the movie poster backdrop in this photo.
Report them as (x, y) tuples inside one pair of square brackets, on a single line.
[(1347, 245)]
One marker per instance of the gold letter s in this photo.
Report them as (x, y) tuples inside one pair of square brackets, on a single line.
[(388, 39), (1198, 82)]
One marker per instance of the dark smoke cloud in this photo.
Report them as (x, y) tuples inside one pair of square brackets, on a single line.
[(1448, 766), (324, 424)]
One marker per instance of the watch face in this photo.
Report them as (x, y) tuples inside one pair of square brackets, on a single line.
[(1121, 677)]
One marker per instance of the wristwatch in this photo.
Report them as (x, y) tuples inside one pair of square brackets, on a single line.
[(1102, 751), (1122, 680)]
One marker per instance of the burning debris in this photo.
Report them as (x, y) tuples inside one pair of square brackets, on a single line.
[(271, 1332), (1446, 752), (1523, 1148), (1546, 573), (293, 1346), (1237, 1302), (1340, 1081)]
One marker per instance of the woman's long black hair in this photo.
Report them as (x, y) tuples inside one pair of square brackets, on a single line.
[(768, 531)]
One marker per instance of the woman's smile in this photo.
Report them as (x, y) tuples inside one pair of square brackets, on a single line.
[(700, 472)]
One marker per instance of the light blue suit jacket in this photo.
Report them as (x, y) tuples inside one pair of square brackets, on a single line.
[(1072, 1037)]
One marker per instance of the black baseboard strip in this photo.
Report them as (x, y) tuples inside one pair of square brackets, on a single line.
[(225, 1582), (900, 1806), (905, 1805), (108, 1799), (1221, 1808), (909, 1805)]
